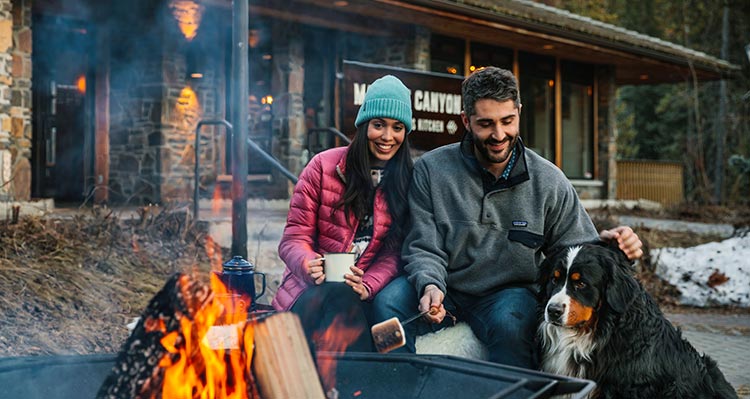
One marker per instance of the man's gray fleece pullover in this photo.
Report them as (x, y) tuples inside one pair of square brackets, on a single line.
[(476, 240)]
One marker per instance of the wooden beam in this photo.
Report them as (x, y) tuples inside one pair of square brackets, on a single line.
[(467, 57), (595, 124), (558, 114), (102, 119)]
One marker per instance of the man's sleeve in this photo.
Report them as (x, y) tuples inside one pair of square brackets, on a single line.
[(567, 222), (423, 253)]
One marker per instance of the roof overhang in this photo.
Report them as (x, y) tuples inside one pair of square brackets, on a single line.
[(515, 24), (521, 25)]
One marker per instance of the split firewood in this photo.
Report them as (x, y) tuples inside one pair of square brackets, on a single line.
[(180, 349), (283, 364)]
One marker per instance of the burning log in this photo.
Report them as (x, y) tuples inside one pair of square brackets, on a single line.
[(137, 373), (168, 353), (191, 343)]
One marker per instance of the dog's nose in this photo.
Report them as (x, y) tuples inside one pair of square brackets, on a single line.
[(555, 310)]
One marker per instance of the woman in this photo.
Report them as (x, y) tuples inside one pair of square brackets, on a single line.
[(349, 199)]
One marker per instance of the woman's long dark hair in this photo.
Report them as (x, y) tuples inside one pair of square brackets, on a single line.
[(359, 192)]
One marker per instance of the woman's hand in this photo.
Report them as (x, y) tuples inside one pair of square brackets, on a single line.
[(314, 269), (354, 280)]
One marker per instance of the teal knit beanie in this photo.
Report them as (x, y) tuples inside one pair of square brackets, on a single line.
[(386, 97)]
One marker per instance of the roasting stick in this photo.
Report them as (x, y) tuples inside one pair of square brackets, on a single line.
[(389, 335), (416, 316)]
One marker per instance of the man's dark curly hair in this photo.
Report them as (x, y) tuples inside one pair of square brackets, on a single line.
[(490, 82)]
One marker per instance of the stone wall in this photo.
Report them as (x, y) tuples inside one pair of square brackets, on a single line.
[(290, 132), (411, 51), (136, 92), (15, 99), (187, 101), (155, 109), (289, 140), (421, 48)]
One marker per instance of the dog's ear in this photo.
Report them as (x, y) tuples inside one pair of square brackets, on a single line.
[(622, 288), (545, 272)]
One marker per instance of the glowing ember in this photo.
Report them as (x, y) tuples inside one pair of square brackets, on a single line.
[(335, 339), (213, 250), (192, 369), (188, 108), (216, 200), (188, 14), (81, 84)]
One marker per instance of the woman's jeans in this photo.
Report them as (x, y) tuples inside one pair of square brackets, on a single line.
[(504, 321), (336, 309)]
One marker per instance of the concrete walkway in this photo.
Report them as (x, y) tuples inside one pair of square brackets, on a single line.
[(726, 338)]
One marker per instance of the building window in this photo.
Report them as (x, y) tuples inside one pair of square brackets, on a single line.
[(537, 82), (447, 54), (484, 55), (577, 120)]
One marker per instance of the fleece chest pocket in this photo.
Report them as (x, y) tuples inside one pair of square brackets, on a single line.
[(526, 238)]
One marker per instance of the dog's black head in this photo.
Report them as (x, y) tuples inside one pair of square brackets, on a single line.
[(577, 283)]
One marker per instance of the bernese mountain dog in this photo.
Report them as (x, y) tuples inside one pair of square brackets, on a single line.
[(598, 323)]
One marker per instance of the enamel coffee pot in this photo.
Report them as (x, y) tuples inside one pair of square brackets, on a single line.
[(238, 275)]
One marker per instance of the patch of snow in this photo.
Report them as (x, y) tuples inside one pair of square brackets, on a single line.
[(694, 270)]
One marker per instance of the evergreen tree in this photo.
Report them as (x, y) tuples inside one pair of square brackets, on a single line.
[(679, 121)]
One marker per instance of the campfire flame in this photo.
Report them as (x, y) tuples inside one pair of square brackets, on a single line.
[(213, 251), (337, 337), (216, 201), (188, 14), (192, 368), (188, 107)]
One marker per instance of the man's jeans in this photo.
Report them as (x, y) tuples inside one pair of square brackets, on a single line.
[(505, 321)]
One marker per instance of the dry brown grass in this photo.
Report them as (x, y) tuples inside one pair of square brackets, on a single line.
[(71, 285)]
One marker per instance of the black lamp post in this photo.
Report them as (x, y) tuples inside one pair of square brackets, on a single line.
[(239, 122)]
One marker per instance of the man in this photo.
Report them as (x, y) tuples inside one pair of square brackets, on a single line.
[(484, 214)]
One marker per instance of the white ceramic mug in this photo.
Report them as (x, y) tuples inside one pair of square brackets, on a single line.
[(336, 264)]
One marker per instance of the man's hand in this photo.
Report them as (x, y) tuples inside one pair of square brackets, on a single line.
[(432, 298), (627, 241)]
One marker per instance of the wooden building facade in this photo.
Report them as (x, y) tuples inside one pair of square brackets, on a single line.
[(107, 104)]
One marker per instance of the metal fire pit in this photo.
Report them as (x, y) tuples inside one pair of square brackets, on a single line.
[(360, 375), (370, 375)]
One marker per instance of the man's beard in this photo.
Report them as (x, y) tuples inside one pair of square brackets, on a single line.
[(481, 148)]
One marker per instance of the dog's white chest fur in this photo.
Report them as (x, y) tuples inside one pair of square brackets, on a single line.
[(566, 351)]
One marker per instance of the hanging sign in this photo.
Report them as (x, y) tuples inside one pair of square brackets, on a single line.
[(435, 97)]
